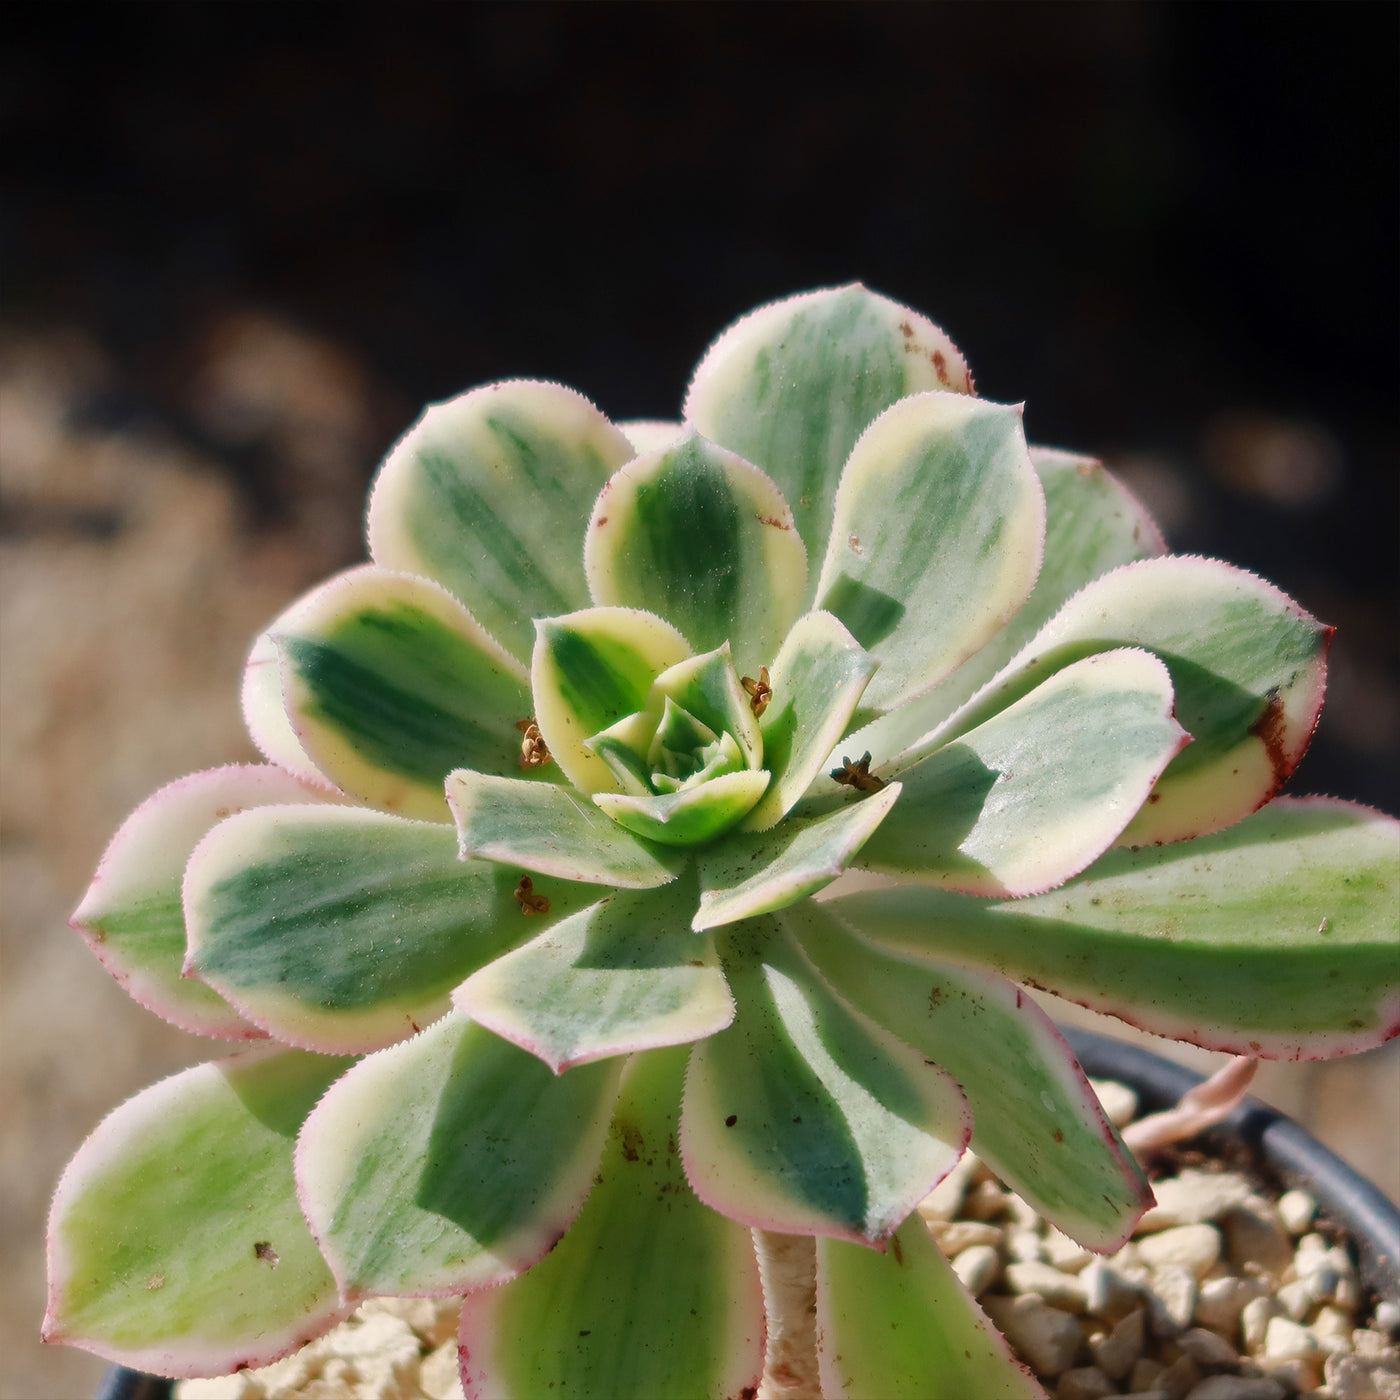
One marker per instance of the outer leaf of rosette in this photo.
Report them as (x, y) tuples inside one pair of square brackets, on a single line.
[(1032, 795), (936, 538), (1035, 1120), (1274, 938), (176, 1244), (449, 1162), (817, 680), (341, 929), (590, 670), (1093, 524), (901, 1325), (1248, 668), (389, 684), (649, 1296), (131, 915), (804, 1116), (625, 974), (489, 494), (705, 539), (792, 385), (689, 816)]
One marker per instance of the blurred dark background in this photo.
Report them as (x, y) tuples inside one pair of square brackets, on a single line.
[(1169, 228), (242, 244)]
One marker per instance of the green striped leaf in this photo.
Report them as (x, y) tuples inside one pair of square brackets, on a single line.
[(817, 680), (341, 929), (935, 539), (756, 873), (449, 1162), (1034, 794), (590, 670), (176, 1244), (1092, 524), (1035, 1120), (901, 1326), (650, 1296), (626, 974), (709, 688), (265, 712), (706, 540), (691, 816), (131, 915), (1274, 938), (1248, 668), (803, 1116), (489, 495), (791, 386), (390, 684), (554, 832)]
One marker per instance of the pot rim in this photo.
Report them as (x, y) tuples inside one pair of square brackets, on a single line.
[(1275, 1141)]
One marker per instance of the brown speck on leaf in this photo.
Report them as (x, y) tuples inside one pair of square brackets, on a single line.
[(940, 366), (528, 900), (1271, 730), (155, 1281), (1058, 1134), (534, 752), (264, 1251), (1153, 797), (934, 997), (854, 542), (758, 691), (906, 330), (222, 812), (857, 774), (774, 521), (897, 1249), (731, 1120), (602, 520), (632, 1142)]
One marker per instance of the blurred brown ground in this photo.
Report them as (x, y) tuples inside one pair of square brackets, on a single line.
[(132, 576)]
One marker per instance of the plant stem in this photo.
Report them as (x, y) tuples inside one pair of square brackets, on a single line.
[(788, 1266)]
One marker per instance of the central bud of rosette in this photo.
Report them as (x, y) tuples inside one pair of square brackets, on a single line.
[(689, 760)]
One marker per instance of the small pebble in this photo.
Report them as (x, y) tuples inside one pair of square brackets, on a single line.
[(1221, 1300), (439, 1375), (1360, 1378), (1297, 1210), (1106, 1292), (1048, 1338), (977, 1267), (1237, 1388), (1144, 1374), (1025, 1246), (1171, 1301), (1116, 1352), (1296, 1299), (1285, 1340), (946, 1199), (1065, 1253), (1192, 1198), (1084, 1383), (1203, 1345), (1255, 1235), (1120, 1103), (1388, 1315), (1192, 1247), (1180, 1378), (1254, 1321), (957, 1235), (1064, 1291), (985, 1201)]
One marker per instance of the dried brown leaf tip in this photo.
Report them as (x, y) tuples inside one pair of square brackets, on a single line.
[(759, 691), (528, 900), (534, 752), (857, 774)]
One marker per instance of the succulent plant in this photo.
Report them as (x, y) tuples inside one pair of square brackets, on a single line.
[(521, 906)]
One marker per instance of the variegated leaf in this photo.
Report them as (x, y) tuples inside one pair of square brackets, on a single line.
[(1275, 938), (131, 915), (590, 670), (817, 680), (756, 873), (935, 538), (792, 385), (1035, 1120), (489, 495), (176, 1244), (804, 1117), (626, 974), (900, 1325), (390, 684), (1248, 668), (1038, 791), (702, 537), (649, 1296), (449, 1162), (553, 831), (709, 688), (341, 929), (690, 816), (1092, 524)]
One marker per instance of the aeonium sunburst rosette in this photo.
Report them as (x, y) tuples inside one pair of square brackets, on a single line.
[(520, 905)]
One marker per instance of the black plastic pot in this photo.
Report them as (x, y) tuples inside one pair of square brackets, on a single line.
[(1275, 1145)]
